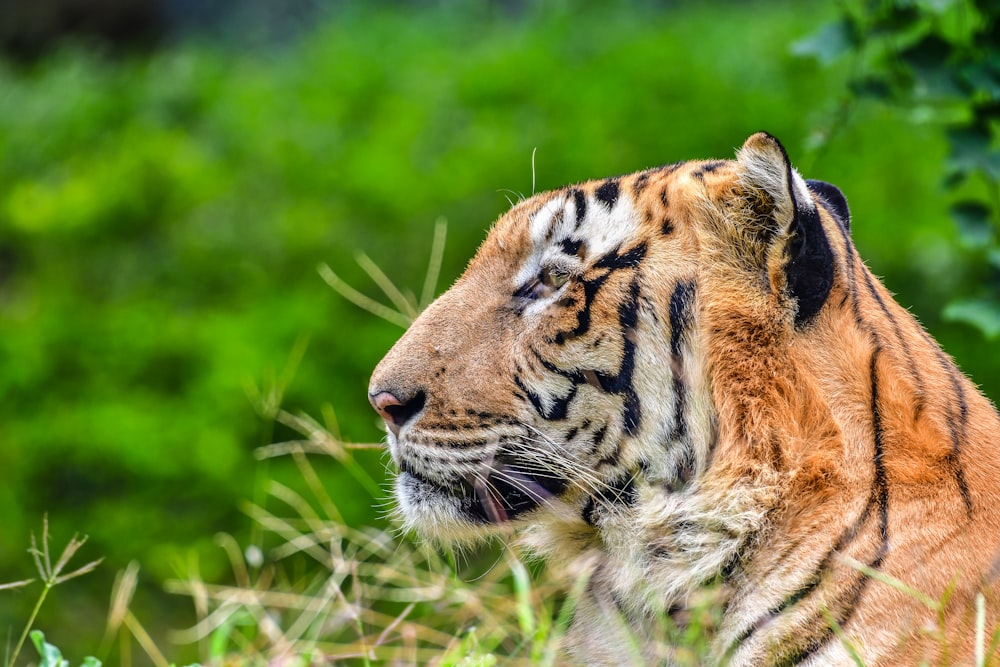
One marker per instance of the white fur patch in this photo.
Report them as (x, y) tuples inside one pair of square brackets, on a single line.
[(603, 230), (542, 221)]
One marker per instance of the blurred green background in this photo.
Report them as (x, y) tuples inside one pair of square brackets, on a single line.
[(166, 197)]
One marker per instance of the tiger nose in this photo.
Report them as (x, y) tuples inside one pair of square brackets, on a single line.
[(396, 411)]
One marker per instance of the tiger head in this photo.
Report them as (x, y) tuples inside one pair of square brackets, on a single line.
[(688, 375), (569, 360)]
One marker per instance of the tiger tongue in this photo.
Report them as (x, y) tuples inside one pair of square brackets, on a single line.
[(491, 505)]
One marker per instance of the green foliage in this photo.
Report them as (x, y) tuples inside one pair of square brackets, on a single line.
[(52, 656), (940, 59)]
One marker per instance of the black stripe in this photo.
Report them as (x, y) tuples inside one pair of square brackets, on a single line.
[(628, 319), (580, 204), (588, 511), (611, 459), (571, 246), (685, 472), (881, 484), (590, 289), (576, 377), (559, 408), (680, 314), (679, 430), (607, 193), (632, 411), (846, 603), (628, 315), (598, 438), (918, 379), (641, 181), (852, 287), (622, 382), (613, 260), (672, 167), (523, 293), (707, 168), (620, 491), (958, 432)]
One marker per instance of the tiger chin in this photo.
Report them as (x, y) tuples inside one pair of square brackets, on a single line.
[(687, 376)]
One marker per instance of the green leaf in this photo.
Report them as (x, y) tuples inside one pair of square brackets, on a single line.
[(982, 313), (929, 60), (871, 86), (954, 177), (982, 78), (993, 257), (899, 18), (974, 224), (829, 42), (50, 655), (931, 51), (936, 6), (970, 151)]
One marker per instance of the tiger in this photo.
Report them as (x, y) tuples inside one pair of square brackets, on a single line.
[(687, 377)]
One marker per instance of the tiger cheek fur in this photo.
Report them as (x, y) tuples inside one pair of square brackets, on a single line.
[(687, 376), (518, 391)]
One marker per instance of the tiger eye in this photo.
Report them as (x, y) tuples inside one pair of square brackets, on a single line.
[(554, 278)]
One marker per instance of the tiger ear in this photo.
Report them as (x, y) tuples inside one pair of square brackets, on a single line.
[(834, 200), (790, 224)]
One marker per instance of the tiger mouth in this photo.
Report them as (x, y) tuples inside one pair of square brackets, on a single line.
[(496, 495)]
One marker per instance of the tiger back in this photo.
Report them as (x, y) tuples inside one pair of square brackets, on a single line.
[(687, 376)]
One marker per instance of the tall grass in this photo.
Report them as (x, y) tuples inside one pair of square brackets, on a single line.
[(328, 592)]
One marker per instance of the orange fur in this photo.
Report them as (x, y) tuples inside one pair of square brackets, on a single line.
[(666, 419)]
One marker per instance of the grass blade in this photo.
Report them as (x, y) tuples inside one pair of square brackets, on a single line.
[(361, 300), (434, 263), (403, 304)]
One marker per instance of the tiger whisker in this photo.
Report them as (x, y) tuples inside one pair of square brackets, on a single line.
[(541, 493), (578, 478), (568, 464), (572, 471), (578, 468)]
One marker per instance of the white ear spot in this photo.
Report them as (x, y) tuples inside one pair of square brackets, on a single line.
[(802, 196)]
